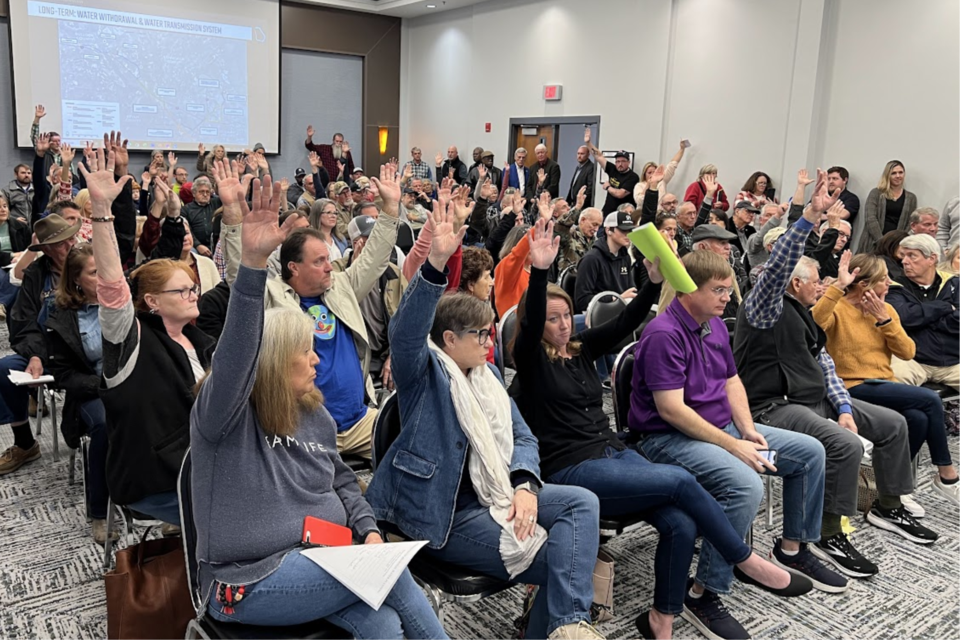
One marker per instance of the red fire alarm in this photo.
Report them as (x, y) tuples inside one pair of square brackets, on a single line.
[(486, 127), (552, 92)]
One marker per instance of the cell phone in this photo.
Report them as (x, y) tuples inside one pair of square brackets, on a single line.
[(320, 533), (685, 143), (770, 455)]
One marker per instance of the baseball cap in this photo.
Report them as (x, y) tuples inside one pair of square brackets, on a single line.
[(259, 147), (407, 191), (339, 187), (358, 170), (361, 226), (711, 232), (746, 204), (619, 219), (621, 154), (299, 173)]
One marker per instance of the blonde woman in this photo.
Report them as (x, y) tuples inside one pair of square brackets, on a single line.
[(647, 173), (888, 206), (951, 261)]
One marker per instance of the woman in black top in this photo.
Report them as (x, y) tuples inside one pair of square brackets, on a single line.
[(560, 396), (888, 206)]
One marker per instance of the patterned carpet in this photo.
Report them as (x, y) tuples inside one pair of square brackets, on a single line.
[(51, 586)]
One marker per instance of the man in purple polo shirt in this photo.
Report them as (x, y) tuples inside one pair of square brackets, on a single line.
[(689, 408)]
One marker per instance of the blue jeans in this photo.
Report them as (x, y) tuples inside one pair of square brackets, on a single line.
[(300, 591), (14, 400), (162, 506), (8, 290), (604, 363), (563, 568), (675, 504), (923, 410), (738, 488), (94, 417)]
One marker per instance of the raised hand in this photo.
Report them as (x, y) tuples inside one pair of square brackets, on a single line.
[(171, 159), (482, 171), (113, 143), (38, 112), (66, 154), (101, 184), (345, 147), (314, 159), (251, 161), (164, 194), (803, 178), (581, 197), (835, 214), (145, 179), (310, 131), (543, 244), (519, 204), (586, 135), (439, 158), (447, 237), (657, 177), (822, 200), (407, 171), (541, 176), (262, 233), (389, 188), (53, 177), (710, 182), (340, 168), (462, 206), (284, 184), (844, 276), (42, 144), (447, 184), (229, 185), (201, 150), (486, 189), (545, 206)]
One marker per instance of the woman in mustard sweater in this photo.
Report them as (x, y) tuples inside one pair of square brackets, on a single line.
[(863, 332)]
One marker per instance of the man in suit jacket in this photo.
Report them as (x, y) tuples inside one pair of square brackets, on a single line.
[(516, 175), (551, 175), (583, 176)]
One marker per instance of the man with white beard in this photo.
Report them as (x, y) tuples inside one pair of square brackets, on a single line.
[(336, 158)]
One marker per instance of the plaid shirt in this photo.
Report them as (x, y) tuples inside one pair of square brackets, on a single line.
[(764, 303), (421, 170), (325, 151)]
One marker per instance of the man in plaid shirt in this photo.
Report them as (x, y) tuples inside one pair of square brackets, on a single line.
[(416, 167), (792, 384), (336, 158)]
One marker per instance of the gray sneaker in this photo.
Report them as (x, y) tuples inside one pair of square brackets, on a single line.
[(15, 457)]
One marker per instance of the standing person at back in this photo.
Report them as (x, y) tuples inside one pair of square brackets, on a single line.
[(888, 206), (583, 176), (621, 178), (331, 155), (544, 175)]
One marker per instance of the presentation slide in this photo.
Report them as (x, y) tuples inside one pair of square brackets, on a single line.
[(167, 75)]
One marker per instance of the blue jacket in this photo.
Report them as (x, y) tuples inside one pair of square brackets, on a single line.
[(417, 481), (933, 325)]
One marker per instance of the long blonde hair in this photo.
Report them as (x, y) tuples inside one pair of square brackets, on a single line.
[(286, 332), (884, 185), (948, 258)]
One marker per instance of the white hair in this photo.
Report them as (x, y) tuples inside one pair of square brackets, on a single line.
[(804, 268), (927, 245), (589, 211), (540, 146), (826, 225)]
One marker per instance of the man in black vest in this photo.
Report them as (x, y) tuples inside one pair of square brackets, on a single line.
[(792, 384)]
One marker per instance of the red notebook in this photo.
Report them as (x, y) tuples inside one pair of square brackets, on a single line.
[(320, 533)]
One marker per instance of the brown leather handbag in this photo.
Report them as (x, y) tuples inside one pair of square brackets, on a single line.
[(148, 595)]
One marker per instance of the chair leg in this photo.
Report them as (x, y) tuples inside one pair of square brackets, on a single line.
[(749, 538), (769, 488), (53, 424), (108, 544), (72, 467), (84, 461), (40, 409)]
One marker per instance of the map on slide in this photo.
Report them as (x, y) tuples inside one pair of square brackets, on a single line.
[(158, 86)]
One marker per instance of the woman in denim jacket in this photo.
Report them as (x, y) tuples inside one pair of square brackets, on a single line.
[(464, 472)]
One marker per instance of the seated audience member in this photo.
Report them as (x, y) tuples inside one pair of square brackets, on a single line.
[(412, 211), (740, 224), (791, 383), (828, 240), (948, 229), (577, 230), (463, 473), (324, 217), (381, 302), (298, 220), (149, 344), (951, 261), (888, 206), (55, 237), (14, 232), (668, 203), (924, 221), (168, 235), (863, 333), (718, 218), (199, 215), (837, 178), (926, 301), (512, 272), (75, 360), (606, 266), (756, 247), (561, 399), (309, 195), (754, 191), (889, 249), (477, 280), (254, 409), (668, 172), (689, 408), (769, 240), (697, 190), (712, 238), (331, 300), (296, 189), (686, 223)]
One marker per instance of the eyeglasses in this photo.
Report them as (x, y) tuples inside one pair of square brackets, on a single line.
[(482, 334), (722, 291), (844, 235), (185, 293)]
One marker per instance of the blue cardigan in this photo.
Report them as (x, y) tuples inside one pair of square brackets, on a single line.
[(417, 481)]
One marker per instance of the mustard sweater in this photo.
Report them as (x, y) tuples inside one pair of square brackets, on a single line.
[(860, 349)]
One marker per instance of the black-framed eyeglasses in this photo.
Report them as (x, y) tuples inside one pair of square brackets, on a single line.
[(482, 334), (185, 293)]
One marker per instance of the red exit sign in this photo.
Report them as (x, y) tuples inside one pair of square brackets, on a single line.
[(552, 92)]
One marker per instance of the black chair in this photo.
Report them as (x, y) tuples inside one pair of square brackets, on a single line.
[(506, 330), (405, 237), (603, 308), (208, 627), (568, 280), (731, 328), (947, 394), (442, 581), (622, 378)]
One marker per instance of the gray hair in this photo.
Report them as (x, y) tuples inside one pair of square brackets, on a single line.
[(317, 207), (415, 149), (590, 211), (804, 268), (826, 225), (927, 245), (771, 205), (923, 211), (519, 149), (626, 207), (201, 181), (540, 146)]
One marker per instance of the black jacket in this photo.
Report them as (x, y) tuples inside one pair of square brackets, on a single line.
[(68, 364), (586, 178), (933, 324), (26, 335), (821, 250), (200, 218), (599, 270), (551, 182), (459, 171), (20, 234), (213, 310)]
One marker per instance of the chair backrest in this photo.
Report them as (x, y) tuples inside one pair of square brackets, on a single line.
[(404, 237), (386, 428), (568, 280), (622, 377), (604, 307), (731, 327), (188, 529), (506, 330)]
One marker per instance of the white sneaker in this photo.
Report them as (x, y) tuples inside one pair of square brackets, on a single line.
[(949, 491), (912, 507)]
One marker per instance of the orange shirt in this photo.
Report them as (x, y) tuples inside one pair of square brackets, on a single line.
[(510, 278)]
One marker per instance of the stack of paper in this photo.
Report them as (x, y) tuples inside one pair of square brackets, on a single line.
[(22, 378)]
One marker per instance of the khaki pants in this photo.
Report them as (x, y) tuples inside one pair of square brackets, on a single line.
[(357, 439), (913, 373)]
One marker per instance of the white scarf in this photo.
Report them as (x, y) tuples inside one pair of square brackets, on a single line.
[(483, 410)]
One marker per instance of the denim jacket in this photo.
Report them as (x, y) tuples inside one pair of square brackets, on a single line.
[(417, 481)]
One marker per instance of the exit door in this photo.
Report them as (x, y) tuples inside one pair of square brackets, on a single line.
[(528, 137)]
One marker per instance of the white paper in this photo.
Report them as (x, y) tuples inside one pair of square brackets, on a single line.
[(368, 570), (20, 378)]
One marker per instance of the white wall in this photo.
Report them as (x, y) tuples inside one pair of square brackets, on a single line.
[(768, 85)]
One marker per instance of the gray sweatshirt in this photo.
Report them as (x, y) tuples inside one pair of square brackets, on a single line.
[(251, 491)]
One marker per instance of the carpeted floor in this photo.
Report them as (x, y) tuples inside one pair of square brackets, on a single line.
[(51, 581)]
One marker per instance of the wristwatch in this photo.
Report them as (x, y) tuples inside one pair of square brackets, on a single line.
[(532, 487)]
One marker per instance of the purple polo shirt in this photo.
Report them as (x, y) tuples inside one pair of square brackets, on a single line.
[(675, 352)]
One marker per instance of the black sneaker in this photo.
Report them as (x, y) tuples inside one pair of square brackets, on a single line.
[(837, 550), (900, 522), (710, 617), (805, 564)]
